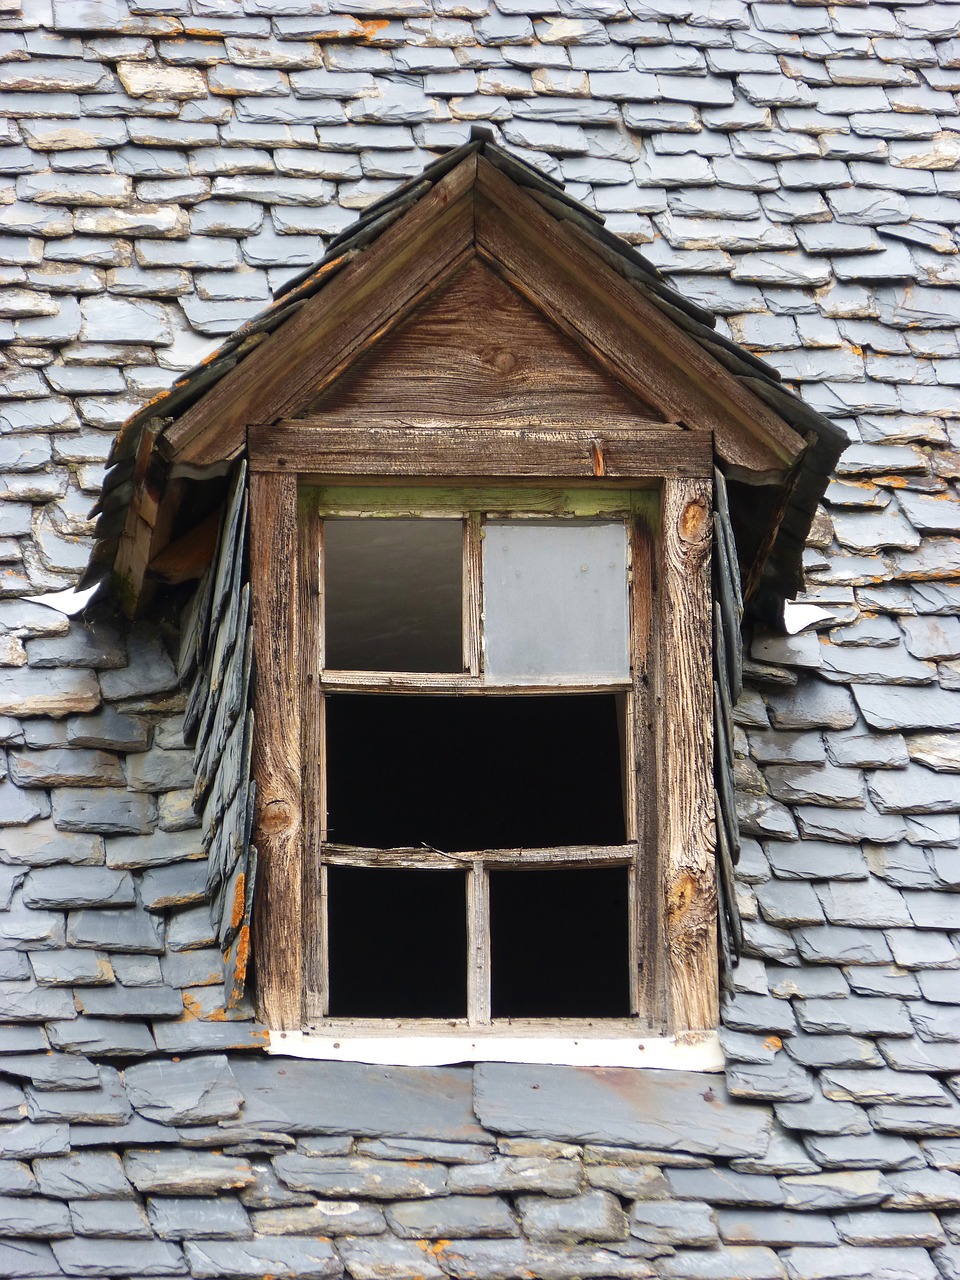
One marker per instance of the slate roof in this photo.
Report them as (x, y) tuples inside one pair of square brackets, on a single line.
[(791, 168)]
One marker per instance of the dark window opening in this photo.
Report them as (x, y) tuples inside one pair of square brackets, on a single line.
[(473, 773), (559, 943), (397, 943), (392, 595)]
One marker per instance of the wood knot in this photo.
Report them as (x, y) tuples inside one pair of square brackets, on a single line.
[(499, 358), (694, 520), (276, 816), (682, 892)]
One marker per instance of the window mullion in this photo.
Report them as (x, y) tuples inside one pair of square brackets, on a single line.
[(472, 593), (478, 941)]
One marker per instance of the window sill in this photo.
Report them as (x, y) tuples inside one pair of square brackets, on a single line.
[(694, 1051)]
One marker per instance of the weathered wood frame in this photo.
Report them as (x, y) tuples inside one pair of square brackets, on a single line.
[(676, 987)]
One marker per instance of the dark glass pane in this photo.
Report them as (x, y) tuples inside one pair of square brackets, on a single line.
[(405, 770), (392, 596), (559, 943), (397, 943)]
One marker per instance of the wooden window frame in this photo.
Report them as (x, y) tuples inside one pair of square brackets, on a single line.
[(671, 682)]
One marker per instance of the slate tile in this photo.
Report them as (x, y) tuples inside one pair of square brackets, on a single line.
[(840, 944), (101, 1037), (339, 1097), (122, 929), (833, 1051), (509, 1257), (52, 1070), (874, 1227), (423, 1149), (882, 1085), (302, 1258), (337, 1176), (756, 1226), (870, 905), (27, 1260), (634, 1182), (33, 1217), (863, 1151), (462, 1217), (185, 1172), (847, 1189), (104, 1105), (114, 1219), (95, 1175), (858, 1015), (67, 887), (191, 1092), (24, 1002), (27, 1140), (82, 1257), (814, 1263), (623, 1107), (106, 810), (198, 1218), (130, 1002), (674, 1222), (733, 1262), (322, 1217)]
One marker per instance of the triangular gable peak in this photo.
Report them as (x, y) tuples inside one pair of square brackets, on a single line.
[(477, 296), (477, 214)]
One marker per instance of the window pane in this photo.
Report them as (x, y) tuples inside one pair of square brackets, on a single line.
[(397, 943), (559, 943), (392, 595), (555, 600), (455, 774)]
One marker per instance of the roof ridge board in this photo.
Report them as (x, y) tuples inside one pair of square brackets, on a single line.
[(432, 174)]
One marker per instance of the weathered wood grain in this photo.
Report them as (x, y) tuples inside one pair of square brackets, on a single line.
[(276, 763), (685, 753), (309, 546), (478, 353), (544, 259), (403, 450), (362, 302)]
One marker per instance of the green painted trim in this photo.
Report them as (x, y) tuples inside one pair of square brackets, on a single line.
[(384, 501)]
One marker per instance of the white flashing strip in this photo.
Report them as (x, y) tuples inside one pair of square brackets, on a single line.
[(693, 1052)]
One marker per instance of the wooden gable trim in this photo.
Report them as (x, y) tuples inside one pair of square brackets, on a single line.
[(476, 209), (542, 258), (634, 450), (333, 327)]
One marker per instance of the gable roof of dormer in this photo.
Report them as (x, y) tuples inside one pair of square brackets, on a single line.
[(476, 203)]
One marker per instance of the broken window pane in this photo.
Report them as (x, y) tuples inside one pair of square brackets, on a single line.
[(392, 595), (397, 943), (555, 600), (456, 774), (559, 942)]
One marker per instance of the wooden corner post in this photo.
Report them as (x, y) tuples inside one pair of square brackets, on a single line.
[(685, 755), (278, 821)]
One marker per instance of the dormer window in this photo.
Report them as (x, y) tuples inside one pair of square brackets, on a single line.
[(457, 667)]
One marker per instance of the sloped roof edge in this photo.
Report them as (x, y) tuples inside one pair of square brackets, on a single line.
[(825, 441)]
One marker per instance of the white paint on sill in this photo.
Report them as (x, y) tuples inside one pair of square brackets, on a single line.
[(695, 1051)]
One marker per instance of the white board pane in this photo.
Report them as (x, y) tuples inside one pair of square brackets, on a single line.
[(392, 595), (555, 600)]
